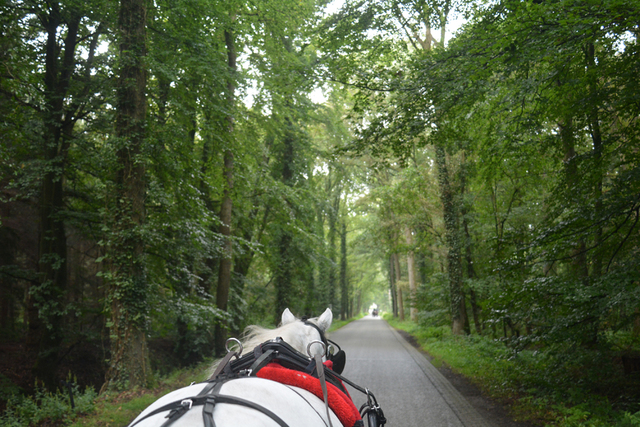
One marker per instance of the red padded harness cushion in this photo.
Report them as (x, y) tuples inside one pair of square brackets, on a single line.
[(339, 402)]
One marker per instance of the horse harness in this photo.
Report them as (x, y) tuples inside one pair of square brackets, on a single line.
[(339, 358), (249, 365)]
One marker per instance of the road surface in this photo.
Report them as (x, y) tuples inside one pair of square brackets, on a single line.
[(410, 390)]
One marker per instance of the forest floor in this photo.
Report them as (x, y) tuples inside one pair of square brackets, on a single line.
[(82, 363), (495, 412)]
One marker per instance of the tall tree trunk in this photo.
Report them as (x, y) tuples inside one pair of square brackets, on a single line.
[(344, 289), (400, 301), (392, 286), (7, 257), (579, 265), (454, 265), (471, 274), (46, 301), (224, 272), (129, 365), (412, 274), (211, 261), (596, 138), (333, 219), (578, 254), (396, 269), (242, 263), (468, 247), (284, 274), (321, 265), (310, 295)]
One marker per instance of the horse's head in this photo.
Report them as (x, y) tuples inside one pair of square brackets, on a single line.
[(299, 333)]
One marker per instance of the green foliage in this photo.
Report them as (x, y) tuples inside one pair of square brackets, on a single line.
[(537, 132), (432, 301), (121, 408), (531, 109), (7, 388), (544, 386), (47, 407)]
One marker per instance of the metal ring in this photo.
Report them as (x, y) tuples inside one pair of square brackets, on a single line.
[(324, 347), (226, 345)]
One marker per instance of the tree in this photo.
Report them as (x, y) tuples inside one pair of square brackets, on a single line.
[(344, 284), (50, 78), (224, 271), (397, 116), (129, 365)]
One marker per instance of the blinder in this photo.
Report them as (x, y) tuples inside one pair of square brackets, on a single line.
[(339, 359)]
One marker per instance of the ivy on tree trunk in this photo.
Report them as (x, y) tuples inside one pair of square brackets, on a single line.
[(129, 364), (454, 264)]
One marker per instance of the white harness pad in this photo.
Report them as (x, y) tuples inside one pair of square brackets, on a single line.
[(293, 405)]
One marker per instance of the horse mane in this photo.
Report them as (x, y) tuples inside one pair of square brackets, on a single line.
[(255, 335)]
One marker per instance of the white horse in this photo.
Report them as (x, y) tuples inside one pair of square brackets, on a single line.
[(292, 331), (270, 403)]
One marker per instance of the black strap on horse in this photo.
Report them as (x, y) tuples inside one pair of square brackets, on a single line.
[(249, 365), (278, 350), (265, 353), (208, 398), (371, 410)]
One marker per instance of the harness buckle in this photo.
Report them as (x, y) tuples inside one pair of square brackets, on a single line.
[(324, 347), (187, 402), (234, 340)]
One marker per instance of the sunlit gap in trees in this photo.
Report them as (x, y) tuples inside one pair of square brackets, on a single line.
[(357, 190), (253, 88), (626, 39), (317, 96)]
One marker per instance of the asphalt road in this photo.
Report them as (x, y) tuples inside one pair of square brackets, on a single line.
[(410, 390)]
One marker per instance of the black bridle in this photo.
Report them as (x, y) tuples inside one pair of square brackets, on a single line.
[(338, 358)]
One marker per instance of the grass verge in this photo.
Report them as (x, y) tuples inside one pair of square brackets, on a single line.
[(337, 324), (526, 382), (119, 409)]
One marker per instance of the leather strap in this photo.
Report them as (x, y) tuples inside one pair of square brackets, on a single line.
[(323, 384), (208, 401), (207, 411), (223, 364), (261, 361)]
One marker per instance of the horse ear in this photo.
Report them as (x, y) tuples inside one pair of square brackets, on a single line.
[(325, 319), (287, 317)]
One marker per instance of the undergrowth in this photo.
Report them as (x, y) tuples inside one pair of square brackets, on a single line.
[(539, 386), (45, 408), (108, 410), (118, 409)]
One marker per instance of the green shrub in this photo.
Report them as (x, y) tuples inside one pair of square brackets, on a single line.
[(629, 420), (52, 408), (7, 388)]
